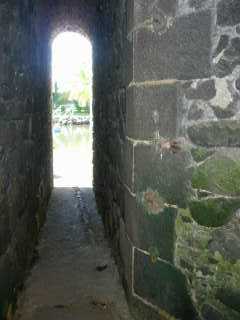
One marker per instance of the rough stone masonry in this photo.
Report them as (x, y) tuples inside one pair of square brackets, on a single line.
[(166, 145)]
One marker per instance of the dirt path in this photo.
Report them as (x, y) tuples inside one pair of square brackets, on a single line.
[(75, 277)]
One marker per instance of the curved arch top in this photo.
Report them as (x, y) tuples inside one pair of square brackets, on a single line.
[(72, 15)]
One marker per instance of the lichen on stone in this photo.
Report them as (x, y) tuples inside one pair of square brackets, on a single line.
[(151, 201)]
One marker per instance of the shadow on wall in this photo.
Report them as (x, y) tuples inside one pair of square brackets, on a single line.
[(173, 217), (25, 129)]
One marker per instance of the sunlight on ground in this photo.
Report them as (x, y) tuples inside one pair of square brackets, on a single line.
[(72, 150)]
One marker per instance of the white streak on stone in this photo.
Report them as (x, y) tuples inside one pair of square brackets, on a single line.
[(223, 96)]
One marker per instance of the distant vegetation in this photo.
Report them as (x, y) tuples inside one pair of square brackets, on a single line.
[(73, 106)]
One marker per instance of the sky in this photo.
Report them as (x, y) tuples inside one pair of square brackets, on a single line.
[(70, 52)]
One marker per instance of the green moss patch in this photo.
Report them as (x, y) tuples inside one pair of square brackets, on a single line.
[(200, 154), (220, 175), (214, 212)]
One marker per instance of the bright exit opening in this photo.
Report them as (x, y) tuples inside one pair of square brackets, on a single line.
[(72, 114)]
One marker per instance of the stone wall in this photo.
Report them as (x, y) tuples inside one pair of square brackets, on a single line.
[(27, 29), (71, 15), (25, 144), (167, 170), (110, 72), (166, 145)]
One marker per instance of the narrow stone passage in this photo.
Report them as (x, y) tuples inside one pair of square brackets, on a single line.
[(75, 276)]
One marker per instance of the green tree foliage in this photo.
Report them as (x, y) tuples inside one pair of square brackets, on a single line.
[(78, 98), (59, 98)]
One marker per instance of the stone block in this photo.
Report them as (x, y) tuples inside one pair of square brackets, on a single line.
[(5, 234), (230, 297), (229, 59), (128, 163), (11, 110), (209, 312), (205, 90), (166, 173), (158, 11), (126, 250), (151, 232), (7, 279), (222, 44), (129, 61), (180, 51), (152, 111), (130, 15), (226, 241), (162, 285), (228, 12), (196, 4), (10, 132), (121, 112), (222, 133)]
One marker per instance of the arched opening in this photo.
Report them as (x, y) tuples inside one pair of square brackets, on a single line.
[(72, 110)]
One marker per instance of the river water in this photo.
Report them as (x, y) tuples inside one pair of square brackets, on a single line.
[(72, 156)]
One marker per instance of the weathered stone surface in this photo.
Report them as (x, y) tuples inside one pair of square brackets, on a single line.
[(126, 251), (25, 160), (160, 11), (228, 12), (225, 103), (149, 230), (168, 40), (233, 51), (197, 4), (222, 44), (230, 59), (7, 281), (216, 133), (209, 312), (205, 90), (133, 41), (184, 47), (226, 241), (153, 280), (167, 173), (186, 7), (230, 297), (196, 111), (224, 68), (237, 84), (128, 164), (152, 112), (5, 233), (229, 112)]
